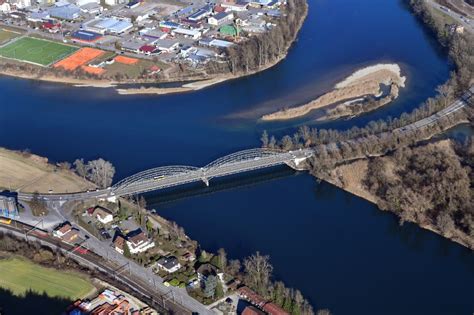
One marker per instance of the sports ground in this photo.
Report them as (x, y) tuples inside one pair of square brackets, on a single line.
[(36, 51), (20, 275)]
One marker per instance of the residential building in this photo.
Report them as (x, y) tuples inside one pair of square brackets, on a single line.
[(168, 264), (252, 310), (221, 18), (115, 2), (66, 233), (103, 215), (5, 6), (20, 4), (138, 242), (205, 270), (119, 243)]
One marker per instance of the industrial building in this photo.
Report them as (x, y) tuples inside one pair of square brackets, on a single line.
[(108, 25), (8, 207)]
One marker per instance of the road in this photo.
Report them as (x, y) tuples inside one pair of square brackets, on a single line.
[(462, 20)]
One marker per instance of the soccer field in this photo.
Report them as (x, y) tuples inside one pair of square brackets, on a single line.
[(20, 275), (36, 51)]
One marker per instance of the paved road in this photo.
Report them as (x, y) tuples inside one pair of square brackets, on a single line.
[(463, 20)]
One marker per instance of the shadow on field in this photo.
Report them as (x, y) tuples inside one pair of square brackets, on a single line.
[(31, 303)]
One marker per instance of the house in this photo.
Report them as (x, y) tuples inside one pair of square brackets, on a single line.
[(252, 297), (272, 309), (252, 310), (221, 18), (168, 264), (103, 215), (206, 270), (4, 7), (66, 233), (138, 242), (51, 27), (148, 49), (119, 244)]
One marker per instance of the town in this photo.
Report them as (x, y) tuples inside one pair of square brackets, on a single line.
[(140, 37)]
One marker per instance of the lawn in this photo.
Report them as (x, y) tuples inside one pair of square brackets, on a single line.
[(19, 275), (37, 51)]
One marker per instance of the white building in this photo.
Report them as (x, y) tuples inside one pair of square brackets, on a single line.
[(5, 7), (168, 264), (221, 18), (139, 243), (194, 34)]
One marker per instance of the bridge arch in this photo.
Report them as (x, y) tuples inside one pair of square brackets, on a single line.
[(153, 174), (241, 156)]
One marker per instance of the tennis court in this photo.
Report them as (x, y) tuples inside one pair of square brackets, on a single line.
[(36, 51), (81, 57)]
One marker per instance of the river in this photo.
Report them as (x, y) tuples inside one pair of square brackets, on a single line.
[(339, 250)]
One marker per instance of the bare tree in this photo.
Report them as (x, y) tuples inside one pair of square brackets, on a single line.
[(258, 272), (80, 167), (101, 172)]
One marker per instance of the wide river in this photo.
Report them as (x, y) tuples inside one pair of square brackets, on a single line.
[(339, 250)]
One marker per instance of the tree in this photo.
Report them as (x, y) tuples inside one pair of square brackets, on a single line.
[(210, 285), (38, 206), (80, 167), (126, 250), (265, 140), (222, 259), (234, 267), (258, 271), (219, 292), (101, 172)]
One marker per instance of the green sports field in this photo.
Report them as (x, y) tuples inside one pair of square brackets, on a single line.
[(37, 51), (19, 275)]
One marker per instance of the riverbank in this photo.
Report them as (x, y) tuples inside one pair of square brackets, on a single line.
[(27, 172), (354, 89)]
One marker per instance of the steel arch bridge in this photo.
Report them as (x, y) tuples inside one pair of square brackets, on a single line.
[(237, 162)]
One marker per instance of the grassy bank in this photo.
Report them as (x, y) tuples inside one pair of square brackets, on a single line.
[(20, 275), (29, 173)]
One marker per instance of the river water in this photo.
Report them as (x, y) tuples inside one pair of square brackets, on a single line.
[(341, 251)]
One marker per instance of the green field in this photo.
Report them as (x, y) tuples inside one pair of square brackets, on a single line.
[(19, 275), (37, 51)]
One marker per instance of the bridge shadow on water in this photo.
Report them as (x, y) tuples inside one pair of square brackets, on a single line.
[(228, 183), (31, 303)]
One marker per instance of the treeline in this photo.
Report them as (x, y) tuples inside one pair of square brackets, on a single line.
[(429, 185), (100, 171), (262, 49)]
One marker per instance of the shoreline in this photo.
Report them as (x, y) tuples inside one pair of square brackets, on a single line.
[(360, 84), (186, 87)]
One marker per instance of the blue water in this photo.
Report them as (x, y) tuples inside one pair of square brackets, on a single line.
[(359, 260)]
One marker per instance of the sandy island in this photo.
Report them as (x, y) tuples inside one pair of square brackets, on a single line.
[(361, 83)]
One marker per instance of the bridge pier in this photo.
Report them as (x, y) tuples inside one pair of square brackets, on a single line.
[(297, 164), (206, 181)]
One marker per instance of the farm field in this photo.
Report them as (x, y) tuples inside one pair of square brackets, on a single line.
[(37, 51), (20, 275)]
